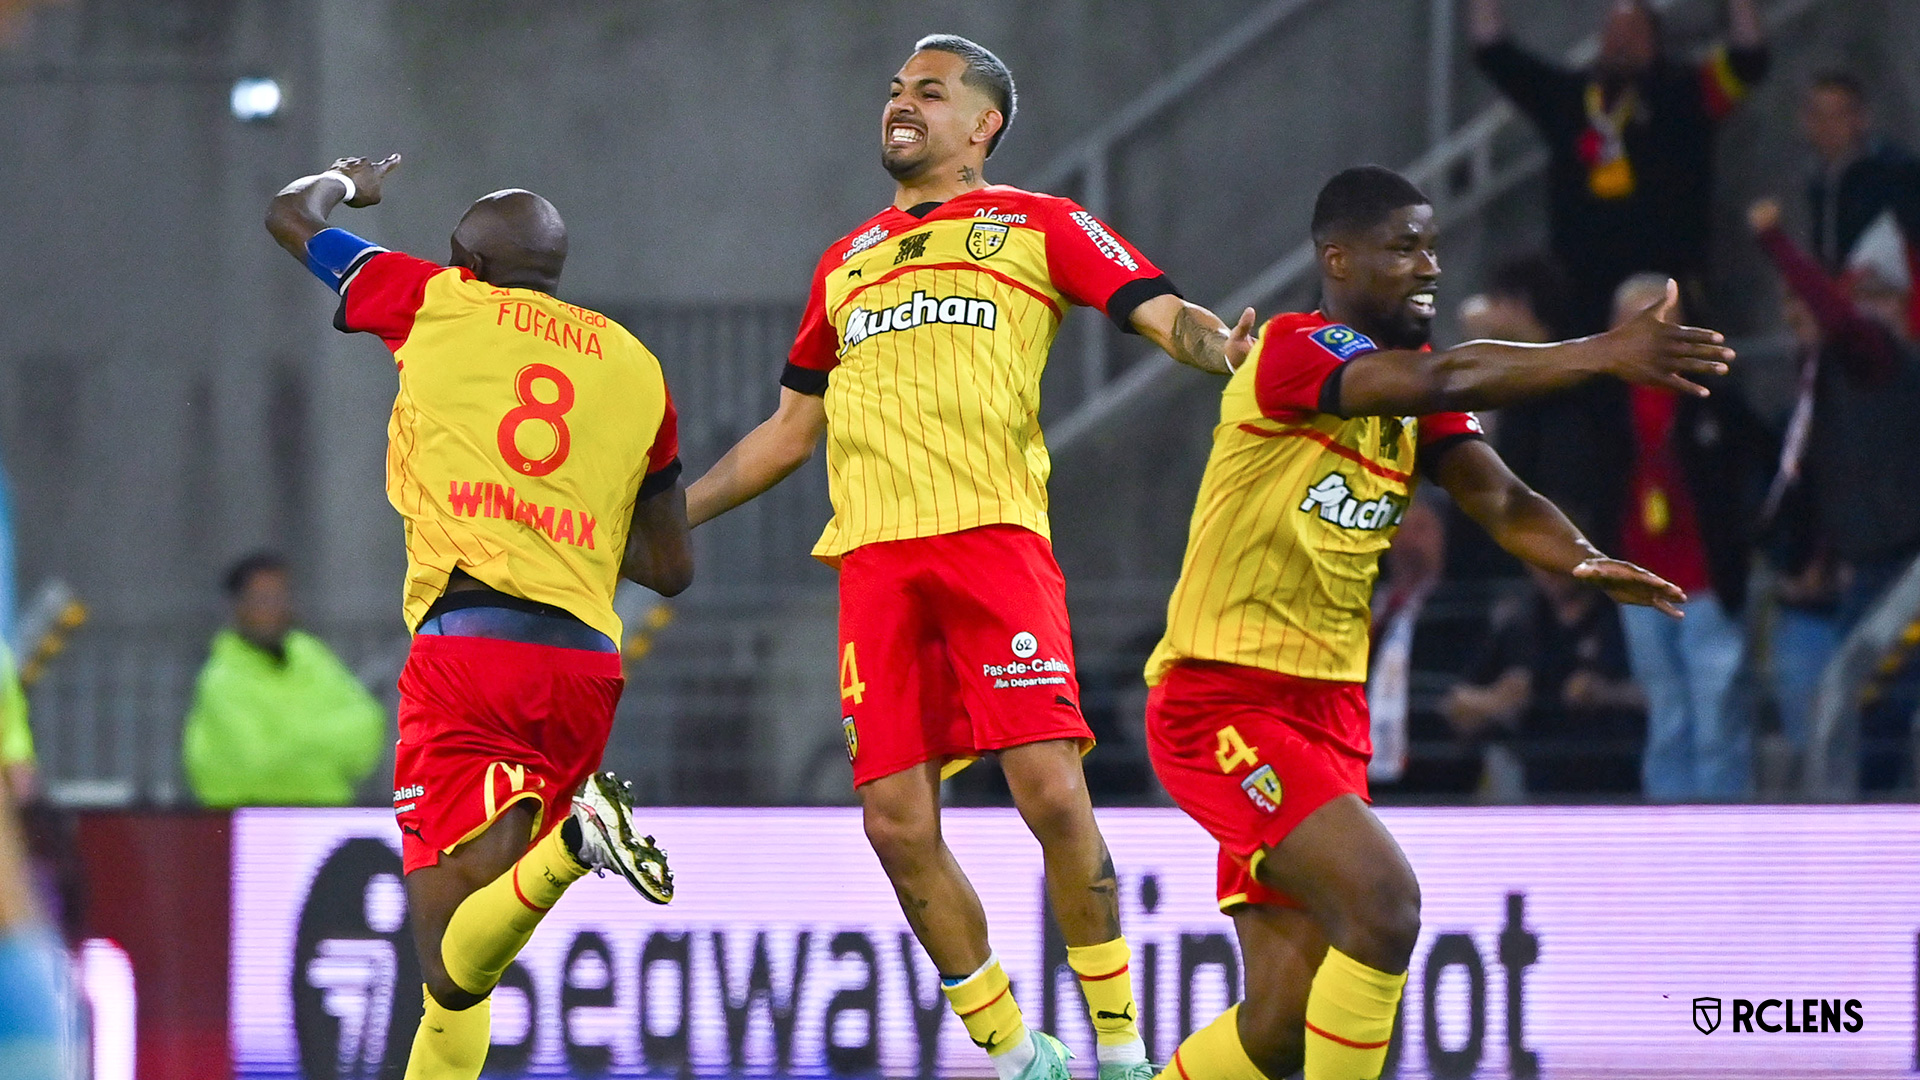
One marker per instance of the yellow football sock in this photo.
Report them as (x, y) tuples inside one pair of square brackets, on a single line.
[(984, 1002), (1109, 990), (1214, 1053), (491, 926), (450, 1045), (1350, 1019)]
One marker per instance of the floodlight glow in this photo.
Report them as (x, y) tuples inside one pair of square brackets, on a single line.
[(255, 99)]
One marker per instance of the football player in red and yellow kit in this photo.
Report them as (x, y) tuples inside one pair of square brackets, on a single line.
[(919, 359), (1257, 718), (533, 457)]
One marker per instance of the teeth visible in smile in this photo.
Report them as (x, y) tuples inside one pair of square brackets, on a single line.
[(1424, 299), (903, 135)]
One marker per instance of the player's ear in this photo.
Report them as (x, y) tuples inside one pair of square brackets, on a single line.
[(984, 128), (1333, 261)]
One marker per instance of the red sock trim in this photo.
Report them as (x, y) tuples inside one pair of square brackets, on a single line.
[(531, 906), (989, 1004), (1331, 1037), (1103, 978)]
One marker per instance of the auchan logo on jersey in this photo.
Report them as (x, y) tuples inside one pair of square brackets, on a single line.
[(1334, 502), (921, 310)]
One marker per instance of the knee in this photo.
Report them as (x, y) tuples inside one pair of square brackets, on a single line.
[(901, 838), (1396, 917), (1376, 918), (1055, 807)]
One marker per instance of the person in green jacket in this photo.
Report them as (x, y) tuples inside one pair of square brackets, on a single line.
[(16, 738), (277, 719)]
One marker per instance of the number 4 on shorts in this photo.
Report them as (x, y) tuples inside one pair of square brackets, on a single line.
[(1234, 751), (850, 684)]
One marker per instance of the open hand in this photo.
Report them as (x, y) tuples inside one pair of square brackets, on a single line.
[(1240, 339), (366, 175), (1653, 350), (1630, 584)]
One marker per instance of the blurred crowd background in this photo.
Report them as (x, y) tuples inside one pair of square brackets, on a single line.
[(199, 574)]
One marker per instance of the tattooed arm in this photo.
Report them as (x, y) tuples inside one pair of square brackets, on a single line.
[(1193, 335)]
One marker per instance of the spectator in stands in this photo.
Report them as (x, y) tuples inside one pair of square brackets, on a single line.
[(1572, 446), (277, 719), (16, 737), (1842, 500), (1693, 497), (1552, 684), (1864, 188), (1630, 180)]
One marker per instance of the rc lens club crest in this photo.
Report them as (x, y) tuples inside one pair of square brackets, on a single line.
[(985, 238), (1706, 1014)]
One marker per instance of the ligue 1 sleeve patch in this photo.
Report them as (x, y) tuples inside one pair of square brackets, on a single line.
[(1343, 342)]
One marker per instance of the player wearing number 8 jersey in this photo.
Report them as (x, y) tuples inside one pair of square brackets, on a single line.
[(919, 359), (1257, 719), (532, 454)]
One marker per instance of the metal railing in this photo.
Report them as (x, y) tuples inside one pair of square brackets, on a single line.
[(1886, 633)]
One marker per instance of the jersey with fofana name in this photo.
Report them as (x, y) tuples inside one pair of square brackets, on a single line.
[(523, 433), (927, 332)]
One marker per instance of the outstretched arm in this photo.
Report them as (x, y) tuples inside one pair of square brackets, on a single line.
[(1864, 348), (1534, 530), (300, 211), (1193, 335), (1648, 349), (659, 551), (767, 455)]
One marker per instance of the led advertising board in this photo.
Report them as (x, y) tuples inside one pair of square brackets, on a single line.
[(1557, 942)]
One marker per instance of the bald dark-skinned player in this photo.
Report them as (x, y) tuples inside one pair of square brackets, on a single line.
[(533, 457), (918, 359), (1257, 719)]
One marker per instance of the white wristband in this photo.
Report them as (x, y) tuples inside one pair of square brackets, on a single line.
[(336, 174)]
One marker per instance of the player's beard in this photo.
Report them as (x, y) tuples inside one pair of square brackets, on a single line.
[(1396, 327), (909, 165), (1406, 331)]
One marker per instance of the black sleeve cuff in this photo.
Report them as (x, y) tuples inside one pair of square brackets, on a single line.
[(1330, 393), (661, 480), (1131, 295), (340, 316), (1430, 454), (804, 380)]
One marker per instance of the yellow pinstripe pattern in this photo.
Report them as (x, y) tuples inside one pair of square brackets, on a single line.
[(933, 427), (458, 372), (1265, 583)]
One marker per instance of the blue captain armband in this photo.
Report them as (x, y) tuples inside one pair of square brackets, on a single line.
[(335, 255)]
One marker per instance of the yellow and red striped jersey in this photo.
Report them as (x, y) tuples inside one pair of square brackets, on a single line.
[(927, 331), (524, 431), (1296, 505)]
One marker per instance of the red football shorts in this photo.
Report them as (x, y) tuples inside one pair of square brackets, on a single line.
[(1249, 754), (486, 723), (952, 646)]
